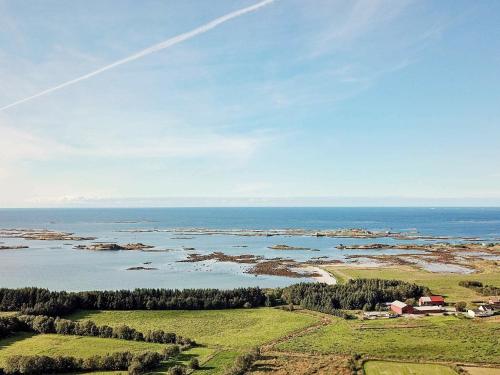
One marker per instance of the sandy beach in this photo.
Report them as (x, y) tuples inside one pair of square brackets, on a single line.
[(325, 276)]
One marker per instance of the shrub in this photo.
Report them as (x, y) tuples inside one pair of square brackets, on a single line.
[(177, 370), (194, 364), (171, 351), (244, 362), (461, 306)]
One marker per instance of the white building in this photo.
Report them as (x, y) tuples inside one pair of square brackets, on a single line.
[(477, 313)]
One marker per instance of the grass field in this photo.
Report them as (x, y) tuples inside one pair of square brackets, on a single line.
[(218, 363), (401, 368), (443, 338), (224, 335), (83, 347), (439, 283), (76, 346), (231, 329)]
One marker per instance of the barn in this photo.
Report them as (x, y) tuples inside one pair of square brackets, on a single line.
[(401, 308), (431, 301), (428, 309)]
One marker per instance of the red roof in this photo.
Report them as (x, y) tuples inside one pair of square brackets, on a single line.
[(437, 299)]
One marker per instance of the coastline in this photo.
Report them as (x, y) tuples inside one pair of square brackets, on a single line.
[(325, 276)]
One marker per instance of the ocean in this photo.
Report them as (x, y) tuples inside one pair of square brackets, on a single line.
[(57, 265)]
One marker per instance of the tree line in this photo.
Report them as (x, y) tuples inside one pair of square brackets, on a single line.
[(366, 294), (35, 364), (41, 324), (39, 301)]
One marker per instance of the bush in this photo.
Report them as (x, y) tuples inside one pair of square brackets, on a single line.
[(177, 370), (171, 351), (194, 364), (244, 362), (461, 306), (144, 362), (10, 325)]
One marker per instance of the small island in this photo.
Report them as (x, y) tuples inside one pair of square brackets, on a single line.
[(140, 268), (115, 247)]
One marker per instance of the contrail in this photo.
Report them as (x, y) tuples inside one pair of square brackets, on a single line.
[(157, 47)]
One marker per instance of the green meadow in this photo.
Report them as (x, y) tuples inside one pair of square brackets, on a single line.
[(443, 338), (235, 329), (223, 335), (76, 346)]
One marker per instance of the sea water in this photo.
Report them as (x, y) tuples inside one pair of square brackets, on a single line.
[(58, 266)]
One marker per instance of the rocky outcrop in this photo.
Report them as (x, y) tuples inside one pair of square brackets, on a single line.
[(142, 269), (9, 247), (42, 235), (286, 247), (114, 247)]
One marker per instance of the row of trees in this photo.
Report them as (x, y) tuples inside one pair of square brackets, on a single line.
[(46, 324), (356, 294), (34, 364), (485, 290), (38, 301)]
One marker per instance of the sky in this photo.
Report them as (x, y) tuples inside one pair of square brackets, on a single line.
[(320, 102)]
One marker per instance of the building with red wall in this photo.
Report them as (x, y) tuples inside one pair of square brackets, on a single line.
[(401, 308)]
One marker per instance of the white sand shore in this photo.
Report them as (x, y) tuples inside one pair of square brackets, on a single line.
[(325, 276)]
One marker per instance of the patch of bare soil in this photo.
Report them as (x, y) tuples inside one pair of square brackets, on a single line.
[(300, 364)]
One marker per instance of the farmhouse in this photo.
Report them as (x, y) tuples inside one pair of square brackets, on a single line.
[(431, 301), (401, 308)]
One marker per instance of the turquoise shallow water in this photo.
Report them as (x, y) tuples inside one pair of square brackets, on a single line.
[(56, 265)]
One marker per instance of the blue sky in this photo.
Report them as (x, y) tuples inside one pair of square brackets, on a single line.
[(317, 102)]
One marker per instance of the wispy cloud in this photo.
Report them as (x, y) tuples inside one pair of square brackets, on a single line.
[(22, 145), (361, 17), (175, 146), (155, 48)]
